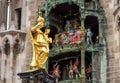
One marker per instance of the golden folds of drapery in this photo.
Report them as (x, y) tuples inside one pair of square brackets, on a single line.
[(40, 43)]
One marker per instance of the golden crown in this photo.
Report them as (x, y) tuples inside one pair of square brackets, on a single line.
[(40, 19)]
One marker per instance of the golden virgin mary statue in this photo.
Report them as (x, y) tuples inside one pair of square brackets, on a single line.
[(40, 43)]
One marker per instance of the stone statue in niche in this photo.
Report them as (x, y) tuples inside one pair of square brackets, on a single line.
[(16, 48), (7, 47)]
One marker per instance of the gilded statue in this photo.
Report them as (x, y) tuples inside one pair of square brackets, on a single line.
[(40, 43)]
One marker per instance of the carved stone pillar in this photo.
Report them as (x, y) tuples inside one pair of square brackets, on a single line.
[(82, 21), (0, 9), (100, 34), (83, 65), (8, 15), (11, 64), (94, 67), (82, 3), (83, 30), (101, 39), (3, 58)]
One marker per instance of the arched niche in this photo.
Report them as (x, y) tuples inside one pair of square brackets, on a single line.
[(63, 60), (61, 13), (92, 23)]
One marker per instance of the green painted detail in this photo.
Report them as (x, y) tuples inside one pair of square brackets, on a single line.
[(94, 10), (56, 50)]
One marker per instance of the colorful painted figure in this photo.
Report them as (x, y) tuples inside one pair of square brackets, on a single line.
[(89, 36), (89, 72), (77, 37), (75, 68), (56, 70), (68, 25), (75, 24), (71, 70), (64, 38)]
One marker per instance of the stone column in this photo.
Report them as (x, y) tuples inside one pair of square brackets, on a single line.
[(119, 41), (101, 39), (11, 64), (102, 51), (3, 60), (82, 21), (1, 11), (93, 68), (103, 65), (64, 73), (99, 21), (83, 51), (82, 3), (8, 15), (83, 29), (23, 15), (46, 14), (83, 65)]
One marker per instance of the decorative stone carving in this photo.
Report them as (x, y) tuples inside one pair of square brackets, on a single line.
[(12, 26), (7, 47), (36, 76), (2, 27)]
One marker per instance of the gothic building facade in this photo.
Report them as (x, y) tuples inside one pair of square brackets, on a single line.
[(101, 17)]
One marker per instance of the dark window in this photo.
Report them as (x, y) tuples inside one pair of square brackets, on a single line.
[(18, 14)]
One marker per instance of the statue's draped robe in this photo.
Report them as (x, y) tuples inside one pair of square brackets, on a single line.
[(40, 48)]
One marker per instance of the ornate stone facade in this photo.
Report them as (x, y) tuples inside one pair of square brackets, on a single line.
[(15, 44)]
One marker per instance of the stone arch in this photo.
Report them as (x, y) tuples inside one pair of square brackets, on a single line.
[(54, 3), (9, 37), (61, 12), (91, 21), (17, 37)]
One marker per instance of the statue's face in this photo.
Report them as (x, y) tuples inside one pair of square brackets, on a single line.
[(42, 25)]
